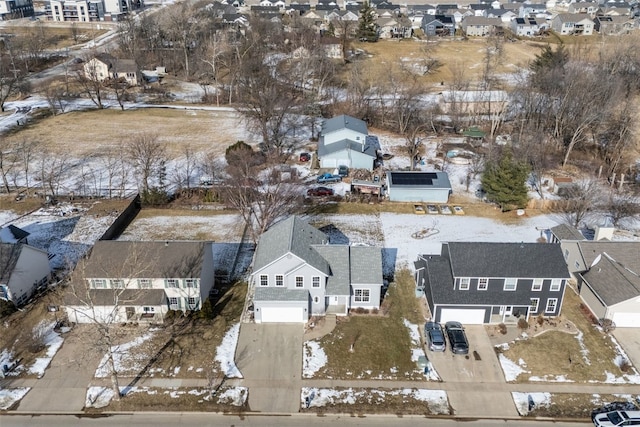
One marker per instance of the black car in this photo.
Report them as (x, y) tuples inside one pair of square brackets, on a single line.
[(457, 338), (435, 336)]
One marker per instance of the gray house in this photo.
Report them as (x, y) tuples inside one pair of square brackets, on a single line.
[(416, 186), (298, 274), (439, 25), (23, 270), (479, 283), (343, 141)]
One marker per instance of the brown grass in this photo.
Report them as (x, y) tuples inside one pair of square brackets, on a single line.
[(55, 37), (91, 132), (567, 405), (380, 343), (557, 353)]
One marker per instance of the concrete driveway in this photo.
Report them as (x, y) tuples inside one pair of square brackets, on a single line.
[(270, 359), (478, 375), (629, 339)]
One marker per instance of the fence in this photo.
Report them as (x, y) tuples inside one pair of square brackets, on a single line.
[(124, 219)]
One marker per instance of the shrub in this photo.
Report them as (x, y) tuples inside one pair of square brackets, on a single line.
[(625, 365), (375, 311), (540, 319), (502, 328), (206, 312), (523, 324), (6, 308)]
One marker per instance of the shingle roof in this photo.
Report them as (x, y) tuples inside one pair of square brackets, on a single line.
[(9, 254), (345, 144), (291, 235), (280, 294), (124, 259), (341, 122), (612, 282), (366, 265), (417, 180), (107, 297), (625, 253), (523, 260), (566, 232), (338, 258)]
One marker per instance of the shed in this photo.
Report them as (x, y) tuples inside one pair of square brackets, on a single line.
[(418, 186)]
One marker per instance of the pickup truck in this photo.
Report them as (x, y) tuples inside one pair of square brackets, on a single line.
[(327, 178)]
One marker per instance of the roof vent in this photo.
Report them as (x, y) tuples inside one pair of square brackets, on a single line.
[(166, 243)]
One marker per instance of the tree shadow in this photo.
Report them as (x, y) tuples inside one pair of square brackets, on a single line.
[(336, 236), (389, 258)]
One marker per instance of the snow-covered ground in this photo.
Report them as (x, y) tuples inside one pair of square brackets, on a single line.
[(313, 358), (52, 340), (417, 350), (436, 400), (125, 358), (526, 402), (100, 397), (8, 397), (225, 353)]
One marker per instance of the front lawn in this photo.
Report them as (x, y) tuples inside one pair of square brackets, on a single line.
[(376, 346), (570, 405), (588, 356)]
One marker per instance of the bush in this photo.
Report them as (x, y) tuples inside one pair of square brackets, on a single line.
[(7, 308), (206, 312), (502, 328), (523, 324), (625, 366), (540, 319), (154, 197)]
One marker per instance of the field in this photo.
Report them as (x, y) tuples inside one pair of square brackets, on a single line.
[(54, 37)]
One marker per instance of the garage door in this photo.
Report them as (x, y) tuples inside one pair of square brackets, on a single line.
[(463, 315), (282, 315), (328, 163), (626, 320)]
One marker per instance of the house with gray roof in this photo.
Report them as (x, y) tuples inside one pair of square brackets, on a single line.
[(480, 283), (23, 270), (479, 26), (572, 23), (297, 274), (418, 186), (343, 141), (133, 281)]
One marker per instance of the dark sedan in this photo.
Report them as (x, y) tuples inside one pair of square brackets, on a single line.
[(319, 192), (457, 338)]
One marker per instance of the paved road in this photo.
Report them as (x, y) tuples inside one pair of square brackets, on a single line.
[(215, 420), (270, 359)]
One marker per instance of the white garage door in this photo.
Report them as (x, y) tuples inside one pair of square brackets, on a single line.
[(328, 163), (626, 320), (462, 315), (283, 315)]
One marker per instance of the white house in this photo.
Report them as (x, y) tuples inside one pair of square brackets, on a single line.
[(24, 269), (344, 141), (573, 23), (140, 281), (298, 274), (417, 186), (105, 67)]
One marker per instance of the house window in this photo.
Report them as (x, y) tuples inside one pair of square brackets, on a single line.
[(264, 280), (534, 305), (148, 309), (299, 282), (483, 284), (464, 283), (173, 303), (117, 284), (193, 302), (361, 295), (99, 283), (510, 284), (552, 303), (566, 253), (173, 283), (316, 300), (191, 283), (577, 264), (279, 280), (144, 283), (537, 285), (556, 284), (315, 281)]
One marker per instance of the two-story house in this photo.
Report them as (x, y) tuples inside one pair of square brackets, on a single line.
[(479, 26), (23, 270), (439, 25), (298, 274), (572, 23), (527, 27), (105, 67), (344, 141), (479, 283), (125, 281)]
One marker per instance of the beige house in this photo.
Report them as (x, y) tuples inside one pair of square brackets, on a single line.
[(105, 67)]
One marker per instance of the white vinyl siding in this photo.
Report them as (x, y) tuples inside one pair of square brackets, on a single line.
[(279, 280), (510, 284), (117, 283), (173, 283), (174, 303), (191, 283), (144, 283), (99, 283)]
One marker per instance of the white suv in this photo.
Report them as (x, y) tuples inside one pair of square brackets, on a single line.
[(617, 418)]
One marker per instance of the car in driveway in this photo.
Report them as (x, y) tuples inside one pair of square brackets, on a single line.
[(327, 178), (432, 209), (458, 342), (304, 157), (617, 418), (319, 192), (343, 171), (435, 336)]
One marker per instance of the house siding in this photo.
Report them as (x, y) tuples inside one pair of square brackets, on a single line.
[(431, 195), (374, 296), (31, 270), (598, 308), (350, 158), (341, 134)]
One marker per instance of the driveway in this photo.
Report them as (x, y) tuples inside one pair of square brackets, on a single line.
[(270, 359), (629, 339)]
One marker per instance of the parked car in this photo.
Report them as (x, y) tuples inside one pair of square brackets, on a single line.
[(328, 178), (319, 192), (617, 418), (376, 179), (612, 407), (305, 157), (434, 336), (445, 210), (432, 209), (458, 210), (457, 338), (418, 209), (343, 171)]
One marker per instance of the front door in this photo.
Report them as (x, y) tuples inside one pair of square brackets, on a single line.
[(506, 311), (131, 311)]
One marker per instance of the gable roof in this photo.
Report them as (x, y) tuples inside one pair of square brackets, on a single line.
[(481, 20), (106, 297), (12, 234), (612, 281), (524, 260), (125, 259), (625, 253), (573, 17), (293, 235), (351, 265), (345, 144), (343, 122), (116, 64), (9, 255), (280, 294), (418, 179), (566, 232)]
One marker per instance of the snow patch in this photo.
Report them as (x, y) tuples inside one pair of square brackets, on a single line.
[(52, 340), (123, 358), (9, 396), (526, 402), (314, 358), (98, 397), (226, 351), (511, 369)]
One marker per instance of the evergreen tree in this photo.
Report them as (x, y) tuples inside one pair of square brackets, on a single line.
[(505, 182), (367, 28), (550, 59)]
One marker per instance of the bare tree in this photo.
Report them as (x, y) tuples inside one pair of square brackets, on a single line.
[(51, 170), (413, 142), (185, 167), (25, 151), (147, 157), (217, 45), (622, 206), (580, 200), (90, 81), (54, 94), (11, 75)]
